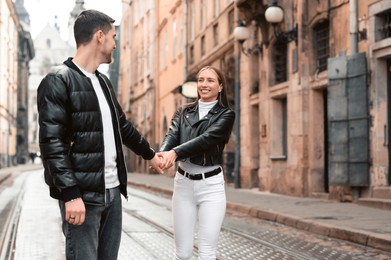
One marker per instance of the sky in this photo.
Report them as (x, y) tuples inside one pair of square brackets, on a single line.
[(43, 11)]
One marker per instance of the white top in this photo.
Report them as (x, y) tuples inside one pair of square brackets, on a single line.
[(203, 109), (111, 175)]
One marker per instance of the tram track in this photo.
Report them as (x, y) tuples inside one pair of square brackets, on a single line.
[(10, 225), (245, 238), (230, 238)]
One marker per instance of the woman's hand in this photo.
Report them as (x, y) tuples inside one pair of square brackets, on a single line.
[(168, 158)]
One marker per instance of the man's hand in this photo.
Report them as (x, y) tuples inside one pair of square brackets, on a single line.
[(75, 211), (168, 158), (156, 164)]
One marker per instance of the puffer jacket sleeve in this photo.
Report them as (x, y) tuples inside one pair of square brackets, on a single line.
[(131, 137), (54, 140)]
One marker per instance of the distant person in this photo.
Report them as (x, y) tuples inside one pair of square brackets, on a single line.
[(82, 130), (33, 156), (196, 138)]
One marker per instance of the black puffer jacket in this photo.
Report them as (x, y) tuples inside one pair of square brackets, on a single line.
[(71, 135), (200, 140)]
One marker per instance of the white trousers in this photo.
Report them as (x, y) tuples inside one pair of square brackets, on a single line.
[(203, 200)]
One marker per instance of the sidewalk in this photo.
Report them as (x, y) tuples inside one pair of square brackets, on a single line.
[(347, 221)]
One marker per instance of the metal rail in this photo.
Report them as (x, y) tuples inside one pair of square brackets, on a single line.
[(227, 233), (8, 237)]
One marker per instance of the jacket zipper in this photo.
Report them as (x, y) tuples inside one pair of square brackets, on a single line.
[(118, 127), (103, 142), (210, 119)]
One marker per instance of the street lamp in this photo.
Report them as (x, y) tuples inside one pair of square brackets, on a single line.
[(242, 33), (189, 89), (274, 14)]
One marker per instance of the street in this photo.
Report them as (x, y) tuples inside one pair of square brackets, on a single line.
[(32, 229)]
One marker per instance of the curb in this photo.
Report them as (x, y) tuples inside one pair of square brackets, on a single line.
[(352, 235), (323, 229)]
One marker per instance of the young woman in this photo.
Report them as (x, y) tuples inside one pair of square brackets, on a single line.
[(196, 138)]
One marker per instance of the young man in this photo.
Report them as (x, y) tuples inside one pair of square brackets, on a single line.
[(82, 129)]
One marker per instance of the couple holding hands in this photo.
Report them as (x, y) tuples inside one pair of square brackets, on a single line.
[(83, 129)]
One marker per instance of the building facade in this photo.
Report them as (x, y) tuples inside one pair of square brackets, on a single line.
[(319, 104), (50, 50), (313, 113), (137, 76), (26, 53), (16, 50), (156, 37)]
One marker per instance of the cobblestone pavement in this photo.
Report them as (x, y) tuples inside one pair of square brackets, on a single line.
[(147, 232)]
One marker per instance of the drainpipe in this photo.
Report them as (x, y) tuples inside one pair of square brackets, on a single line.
[(236, 171), (353, 27), (185, 59), (353, 51)]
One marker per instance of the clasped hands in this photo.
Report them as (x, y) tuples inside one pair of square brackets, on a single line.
[(162, 161)]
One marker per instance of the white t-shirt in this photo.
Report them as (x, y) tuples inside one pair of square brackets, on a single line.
[(111, 175)]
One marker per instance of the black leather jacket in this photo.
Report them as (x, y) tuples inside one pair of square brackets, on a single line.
[(71, 135), (200, 140)]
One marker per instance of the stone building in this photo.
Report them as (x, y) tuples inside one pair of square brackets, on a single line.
[(26, 53), (313, 113), (151, 80), (50, 50), (16, 51), (137, 76), (319, 105)]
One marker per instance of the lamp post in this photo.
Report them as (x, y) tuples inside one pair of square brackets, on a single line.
[(274, 14), (241, 33)]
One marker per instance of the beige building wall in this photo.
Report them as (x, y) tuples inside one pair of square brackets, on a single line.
[(8, 82), (378, 47), (170, 63), (211, 42), (137, 79), (304, 169), (283, 123)]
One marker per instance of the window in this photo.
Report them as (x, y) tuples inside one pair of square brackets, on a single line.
[(383, 26), (48, 43), (231, 21), (216, 34), (203, 45), (163, 45), (216, 4), (203, 14), (135, 66), (280, 62), (191, 54), (174, 39), (280, 131), (192, 21), (181, 34), (321, 43)]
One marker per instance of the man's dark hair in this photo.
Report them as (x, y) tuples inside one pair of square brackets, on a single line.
[(89, 22)]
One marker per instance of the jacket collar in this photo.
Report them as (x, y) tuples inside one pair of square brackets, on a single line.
[(73, 66), (193, 116)]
